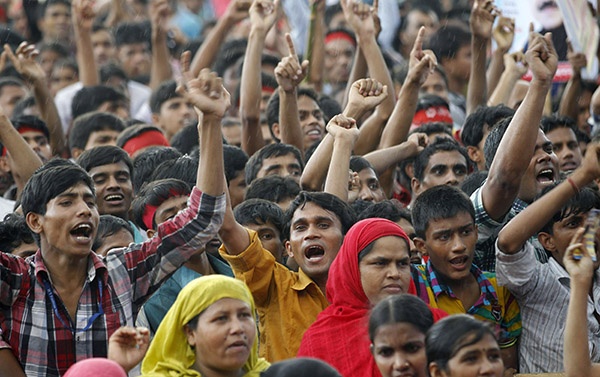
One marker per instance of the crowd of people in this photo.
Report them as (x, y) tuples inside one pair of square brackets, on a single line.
[(228, 188)]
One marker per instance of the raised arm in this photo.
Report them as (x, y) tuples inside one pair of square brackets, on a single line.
[(577, 361), (568, 102), (263, 15), (161, 66), (481, 23), (420, 65), (204, 58), (24, 62), (528, 222), (365, 94), (289, 73), (504, 34), (517, 145), (315, 48), (25, 160), (82, 13), (515, 67), (344, 133)]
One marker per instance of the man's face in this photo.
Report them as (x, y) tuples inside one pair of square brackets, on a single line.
[(113, 188), (69, 225), (56, 24), (62, 76), (434, 84), (175, 114), (339, 54), (409, 229), (450, 244), (583, 110), (118, 108), (237, 189), (459, 67), (269, 237), (566, 148), (233, 134), (9, 96), (414, 21), (315, 239), (135, 59), (562, 234), (312, 121), (444, 168), (39, 143), (102, 137), (370, 189), (546, 12), (169, 208), (542, 170), (47, 60), (283, 166), (103, 47)]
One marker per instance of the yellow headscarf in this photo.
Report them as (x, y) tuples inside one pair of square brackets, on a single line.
[(170, 354)]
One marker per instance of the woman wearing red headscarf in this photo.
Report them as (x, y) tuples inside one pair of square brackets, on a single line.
[(373, 263)]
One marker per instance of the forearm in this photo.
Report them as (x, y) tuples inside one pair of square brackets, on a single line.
[(234, 236), (337, 174), (369, 134), (378, 71), (503, 90), (568, 102), (397, 127), (289, 122), (161, 67), (495, 70), (88, 72), (9, 366), (49, 113), (315, 53), (315, 171), (383, 159), (476, 91), (205, 56), (577, 354), (358, 71), (210, 169)]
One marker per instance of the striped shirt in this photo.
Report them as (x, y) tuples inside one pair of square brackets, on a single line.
[(488, 229), (542, 291), (495, 305), (34, 322)]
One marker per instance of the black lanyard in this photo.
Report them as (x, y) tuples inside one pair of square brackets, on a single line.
[(50, 294)]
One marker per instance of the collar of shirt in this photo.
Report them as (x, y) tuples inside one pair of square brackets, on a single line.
[(95, 265), (488, 293), (303, 281)]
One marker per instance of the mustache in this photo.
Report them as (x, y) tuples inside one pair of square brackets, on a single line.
[(547, 4)]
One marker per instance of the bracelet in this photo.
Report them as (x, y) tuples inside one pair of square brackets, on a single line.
[(573, 185)]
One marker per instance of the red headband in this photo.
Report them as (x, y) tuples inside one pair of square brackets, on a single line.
[(146, 139), (22, 130), (150, 210), (339, 35), (268, 89), (431, 114)]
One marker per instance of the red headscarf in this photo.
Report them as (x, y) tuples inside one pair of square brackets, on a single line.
[(340, 336)]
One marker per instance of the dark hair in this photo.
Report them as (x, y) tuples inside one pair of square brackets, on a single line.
[(49, 181), (329, 106), (551, 123), (390, 209), (433, 128), (110, 70), (132, 33), (13, 232), (439, 145), (447, 40), (104, 155), (92, 122), (272, 150), (258, 212), (585, 200), (154, 194), (9, 37), (359, 163), (185, 168), (43, 7), (89, 98), (234, 159), (165, 91), (451, 334), (147, 161), (473, 181), (328, 202), (402, 308), (484, 118), (23, 104), (439, 202), (108, 225), (229, 54), (31, 121), (186, 139), (56, 47), (11, 81), (414, 7), (331, 11), (493, 140), (300, 367), (431, 100), (273, 188)]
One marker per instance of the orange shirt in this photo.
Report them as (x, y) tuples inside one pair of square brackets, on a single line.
[(287, 302)]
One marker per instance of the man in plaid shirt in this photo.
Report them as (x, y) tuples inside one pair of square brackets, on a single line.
[(62, 304)]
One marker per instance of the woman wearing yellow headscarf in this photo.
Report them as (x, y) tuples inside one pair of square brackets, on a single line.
[(210, 329)]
